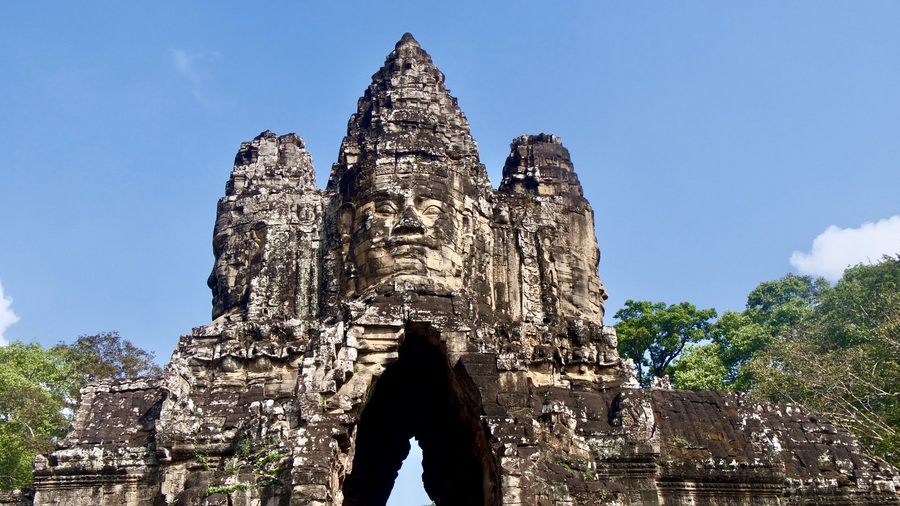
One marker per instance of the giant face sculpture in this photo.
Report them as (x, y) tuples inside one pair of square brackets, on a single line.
[(407, 229), (237, 251)]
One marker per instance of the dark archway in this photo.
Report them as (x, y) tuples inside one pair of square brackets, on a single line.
[(421, 397)]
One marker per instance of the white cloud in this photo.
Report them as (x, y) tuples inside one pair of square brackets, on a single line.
[(7, 316), (190, 65), (835, 249)]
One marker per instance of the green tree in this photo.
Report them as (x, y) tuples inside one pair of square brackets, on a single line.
[(840, 360), (654, 335), (781, 304), (774, 309), (39, 390), (105, 355), (34, 388), (864, 307), (700, 368), (833, 349)]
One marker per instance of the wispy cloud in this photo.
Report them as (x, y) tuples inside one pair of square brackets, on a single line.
[(192, 65), (835, 249), (7, 316)]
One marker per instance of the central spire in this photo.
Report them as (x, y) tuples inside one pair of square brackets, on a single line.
[(407, 39), (406, 179), (407, 119)]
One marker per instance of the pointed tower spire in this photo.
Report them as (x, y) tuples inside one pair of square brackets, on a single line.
[(407, 120), (407, 182), (541, 165), (407, 39)]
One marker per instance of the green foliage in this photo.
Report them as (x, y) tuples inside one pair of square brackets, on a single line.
[(680, 442), (781, 303), (775, 309), (738, 337), (654, 335), (227, 490), (831, 349), (34, 390), (107, 355), (841, 360), (864, 307), (700, 368), (264, 461), (203, 459), (39, 391)]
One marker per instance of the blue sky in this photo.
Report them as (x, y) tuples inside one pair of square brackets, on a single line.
[(721, 144)]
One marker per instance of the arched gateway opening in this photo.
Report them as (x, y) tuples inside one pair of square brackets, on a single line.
[(421, 397)]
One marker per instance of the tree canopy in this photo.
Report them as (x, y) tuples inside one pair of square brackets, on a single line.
[(39, 391), (841, 360), (653, 335), (799, 339), (774, 308)]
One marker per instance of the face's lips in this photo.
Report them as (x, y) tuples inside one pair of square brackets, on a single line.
[(411, 240)]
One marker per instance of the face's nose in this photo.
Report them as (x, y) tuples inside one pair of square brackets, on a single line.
[(213, 282), (409, 223)]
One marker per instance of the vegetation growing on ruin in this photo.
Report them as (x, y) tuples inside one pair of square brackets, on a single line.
[(260, 462)]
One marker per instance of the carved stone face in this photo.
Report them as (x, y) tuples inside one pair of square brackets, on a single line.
[(408, 228), (235, 252)]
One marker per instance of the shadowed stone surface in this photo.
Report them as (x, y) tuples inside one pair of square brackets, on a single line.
[(410, 299)]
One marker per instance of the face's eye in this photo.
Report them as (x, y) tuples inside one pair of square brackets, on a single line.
[(219, 242), (385, 208), (433, 211)]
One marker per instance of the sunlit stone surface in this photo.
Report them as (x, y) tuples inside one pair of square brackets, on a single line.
[(410, 299)]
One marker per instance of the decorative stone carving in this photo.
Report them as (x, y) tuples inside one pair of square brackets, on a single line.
[(411, 301)]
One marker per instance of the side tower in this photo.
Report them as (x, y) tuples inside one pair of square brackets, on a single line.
[(266, 236)]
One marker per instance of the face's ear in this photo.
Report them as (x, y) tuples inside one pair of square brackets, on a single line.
[(350, 279), (468, 229), (346, 214)]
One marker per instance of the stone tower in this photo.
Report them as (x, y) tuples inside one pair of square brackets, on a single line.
[(411, 301)]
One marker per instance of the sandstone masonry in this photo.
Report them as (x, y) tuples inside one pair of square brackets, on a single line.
[(411, 300)]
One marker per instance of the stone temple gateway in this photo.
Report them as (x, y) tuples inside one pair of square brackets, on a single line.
[(411, 299)]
